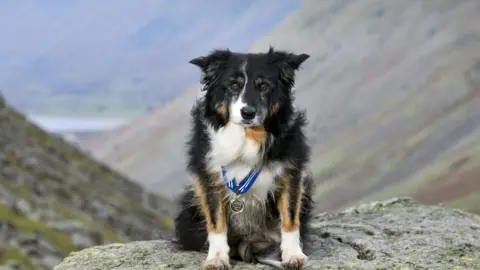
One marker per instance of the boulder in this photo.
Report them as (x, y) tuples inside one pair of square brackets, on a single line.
[(394, 234)]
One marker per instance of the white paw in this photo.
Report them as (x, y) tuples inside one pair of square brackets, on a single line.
[(219, 262), (217, 258), (294, 260), (292, 254)]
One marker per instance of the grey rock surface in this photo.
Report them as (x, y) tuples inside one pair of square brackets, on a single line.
[(394, 234)]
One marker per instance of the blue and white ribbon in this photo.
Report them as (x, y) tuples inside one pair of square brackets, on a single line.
[(245, 184)]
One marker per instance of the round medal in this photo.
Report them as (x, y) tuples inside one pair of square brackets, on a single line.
[(237, 205)]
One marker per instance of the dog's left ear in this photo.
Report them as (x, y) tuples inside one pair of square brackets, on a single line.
[(287, 63), (293, 60)]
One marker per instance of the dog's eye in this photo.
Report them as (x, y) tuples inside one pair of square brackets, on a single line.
[(264, 86), (235, 86)]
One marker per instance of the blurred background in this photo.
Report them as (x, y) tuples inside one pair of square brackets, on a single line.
[(96, 98)]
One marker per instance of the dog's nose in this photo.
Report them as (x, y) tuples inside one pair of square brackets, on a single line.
[(248, 112)]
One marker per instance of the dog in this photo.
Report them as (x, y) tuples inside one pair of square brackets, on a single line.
[(251, 194)]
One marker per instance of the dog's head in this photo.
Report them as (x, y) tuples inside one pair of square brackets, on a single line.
[(247, 88)]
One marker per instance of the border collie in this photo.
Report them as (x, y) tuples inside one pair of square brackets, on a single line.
[(247, 152)]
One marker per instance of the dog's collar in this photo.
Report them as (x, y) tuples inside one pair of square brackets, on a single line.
[(245, 184)]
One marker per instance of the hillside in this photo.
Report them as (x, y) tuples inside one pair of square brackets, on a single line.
[(156, 156), (392, 92), (54, 199)]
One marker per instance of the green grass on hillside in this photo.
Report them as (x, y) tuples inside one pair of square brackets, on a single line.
[(10, 253), (61, 241)]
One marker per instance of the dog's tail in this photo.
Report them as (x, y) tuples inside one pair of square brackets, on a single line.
[(260, 252), (274, 262)]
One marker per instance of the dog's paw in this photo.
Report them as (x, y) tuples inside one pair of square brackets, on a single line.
[(216, 264), (218, 250), (294, 261)]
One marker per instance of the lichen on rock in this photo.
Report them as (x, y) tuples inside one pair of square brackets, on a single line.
[(393, 234)]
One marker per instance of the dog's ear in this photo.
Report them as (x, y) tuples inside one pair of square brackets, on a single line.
[(200, 61), (287, 63), (211, 61), (211, 66), (293, 60)]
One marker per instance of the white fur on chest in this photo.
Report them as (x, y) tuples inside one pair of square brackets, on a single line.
[(234, 151), (238, 154), (230, 144)]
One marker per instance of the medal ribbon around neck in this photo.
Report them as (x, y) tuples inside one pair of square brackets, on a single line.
[(245, 184)]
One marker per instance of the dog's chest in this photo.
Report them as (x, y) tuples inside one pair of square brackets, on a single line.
[(230, 144), (264, 183), (252, 220), (238, 155)]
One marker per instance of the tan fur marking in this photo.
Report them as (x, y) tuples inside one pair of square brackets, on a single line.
[(221, 225), (298, 207), (202, 201), (283, 204), (221, 109), (256, 134)]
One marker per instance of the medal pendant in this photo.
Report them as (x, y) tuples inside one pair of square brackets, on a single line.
[(237, 205)]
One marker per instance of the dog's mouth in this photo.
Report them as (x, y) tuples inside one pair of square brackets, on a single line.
[(249, 123)]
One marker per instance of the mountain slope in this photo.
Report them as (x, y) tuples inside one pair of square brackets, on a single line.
[(152, 147), (54, 199), (393, 89), (392, 96)]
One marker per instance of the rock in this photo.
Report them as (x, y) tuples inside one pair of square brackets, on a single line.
[(14, 265), (82, 241), (7, 231), (67, 226), (50, 261), (45, 247), (23, 207), (394, 234)]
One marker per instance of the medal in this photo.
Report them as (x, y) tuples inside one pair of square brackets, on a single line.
[(237, 204)]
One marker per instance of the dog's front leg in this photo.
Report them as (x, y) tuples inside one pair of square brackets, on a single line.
[(289, 203), (211, 199)]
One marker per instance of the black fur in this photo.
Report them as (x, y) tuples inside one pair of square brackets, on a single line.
[(273, 76)]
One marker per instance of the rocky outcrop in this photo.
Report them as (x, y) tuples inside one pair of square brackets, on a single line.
[(394, 234), (54, 199)]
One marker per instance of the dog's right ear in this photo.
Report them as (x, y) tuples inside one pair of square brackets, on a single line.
[(212, 61), (200, 62), (211, 66)]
